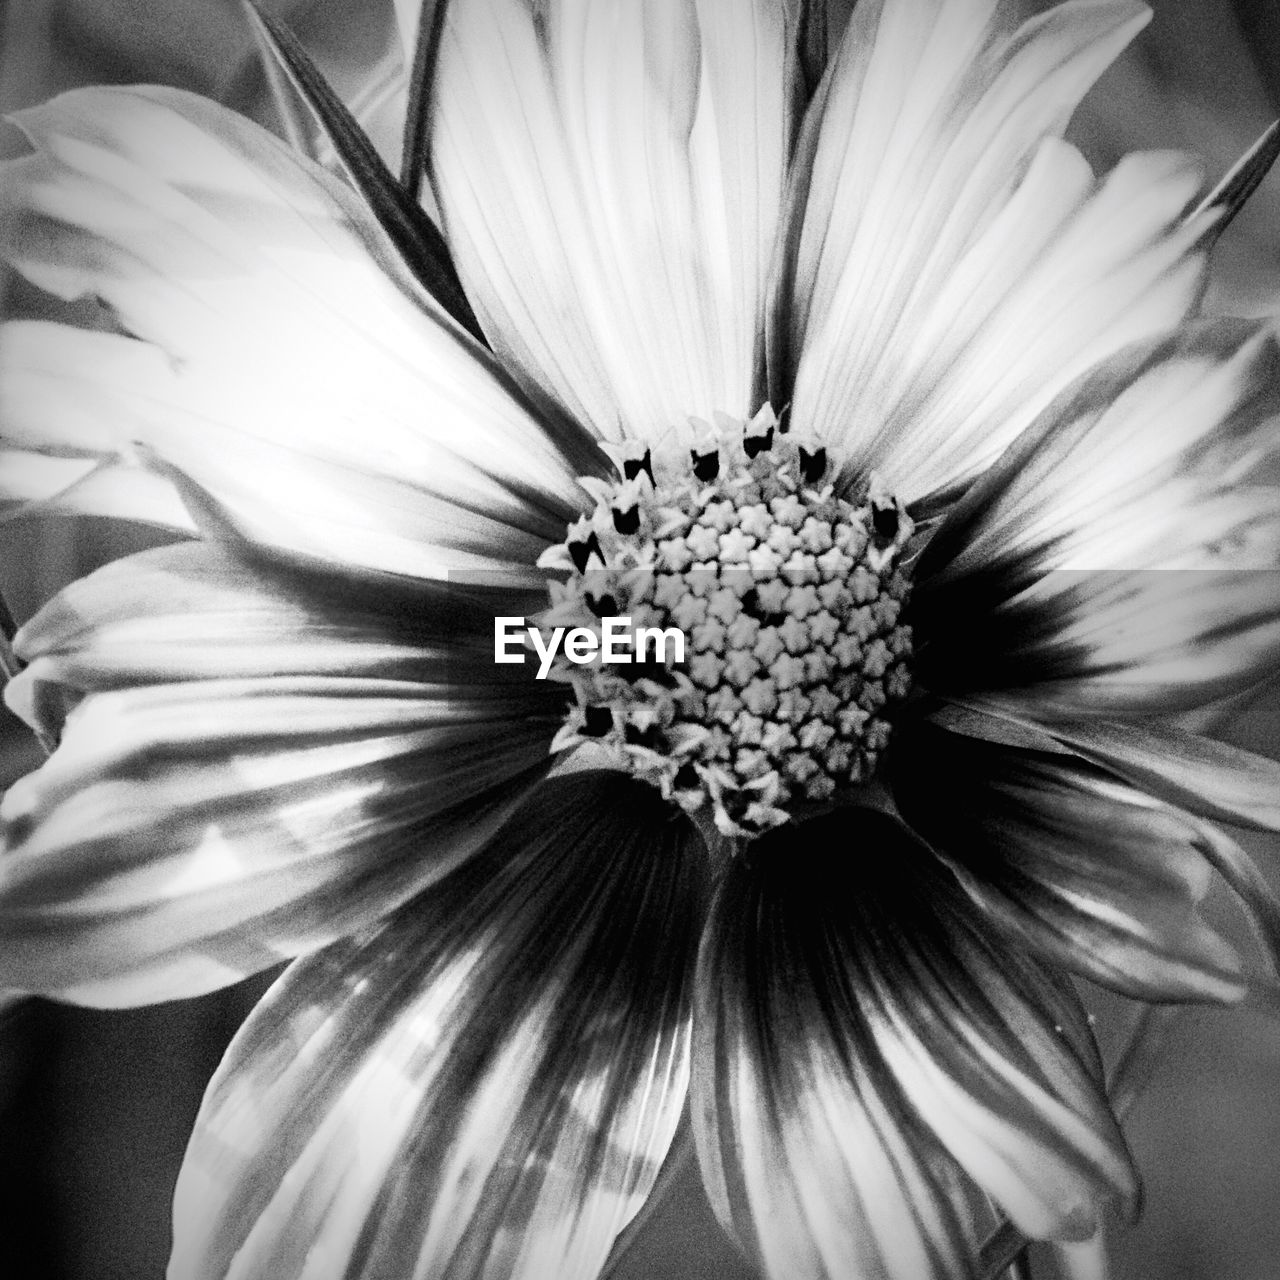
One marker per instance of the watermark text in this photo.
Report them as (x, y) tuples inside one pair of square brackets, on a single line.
[(616, 643)]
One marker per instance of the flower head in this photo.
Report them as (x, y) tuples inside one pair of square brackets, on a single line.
[(849, 367)]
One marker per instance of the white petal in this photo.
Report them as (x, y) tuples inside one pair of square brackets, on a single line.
[(955, 265), (31, 481), (184, 837), (483, 1088), (859, 1040), (282, 360), (1088, 873), (197, 612), (253, 764), (1211, 778), (408, 13), (1084, 1260), (611, 176), (1195, 773), (1125, 555)]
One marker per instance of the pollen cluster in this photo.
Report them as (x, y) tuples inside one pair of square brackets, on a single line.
[(789, 598)]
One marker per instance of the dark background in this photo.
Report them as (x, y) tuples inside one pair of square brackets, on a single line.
[(95, 1107)]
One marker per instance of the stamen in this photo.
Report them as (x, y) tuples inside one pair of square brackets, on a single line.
[(582, 549), (632, 467), (755, 443), (790, 598), (706, 466), (596, 721), (813, 466)]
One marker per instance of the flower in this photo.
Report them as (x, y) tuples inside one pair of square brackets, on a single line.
[(1011, 506)]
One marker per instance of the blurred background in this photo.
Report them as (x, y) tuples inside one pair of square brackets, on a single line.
[(95, 1107)]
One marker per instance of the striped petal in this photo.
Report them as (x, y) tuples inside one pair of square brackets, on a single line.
[(951, 262), (611, 176), (275, 352), (248, 771), (859, 1039), (199, 612), (1215, 779), (1202, 778), (1124, 556), (485, 1086), (1079, 868)]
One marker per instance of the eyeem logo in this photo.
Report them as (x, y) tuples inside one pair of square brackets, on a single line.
[(616, 644)]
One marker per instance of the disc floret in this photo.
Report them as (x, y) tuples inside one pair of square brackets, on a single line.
[(789, 597)]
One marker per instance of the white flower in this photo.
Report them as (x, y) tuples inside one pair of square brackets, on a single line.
[(285, 736)]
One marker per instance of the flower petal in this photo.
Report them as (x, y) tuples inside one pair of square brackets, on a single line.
[(1124, 556), (952, 263), (198, 612), (856, 1025), (185, 836), (31, 481), (611, 175), (1198, 775), (1079, 868), (407, 14), (1214, 779), (280, 355), (485, 1086), (253, 766), (1083, 1259)]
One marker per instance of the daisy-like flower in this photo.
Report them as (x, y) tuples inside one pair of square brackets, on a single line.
[(834, 355)]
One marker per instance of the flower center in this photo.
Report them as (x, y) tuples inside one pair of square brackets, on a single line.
[(788, 598)]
